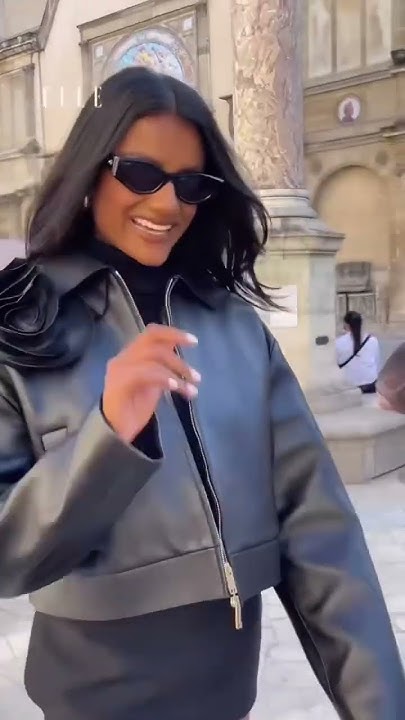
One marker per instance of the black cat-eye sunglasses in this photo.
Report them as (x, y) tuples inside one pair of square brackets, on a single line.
[(144, 177)]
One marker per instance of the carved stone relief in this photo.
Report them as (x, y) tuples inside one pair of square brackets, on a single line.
[(268, 107)]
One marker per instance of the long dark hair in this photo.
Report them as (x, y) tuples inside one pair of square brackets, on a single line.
[(228, 233), (354, 321)]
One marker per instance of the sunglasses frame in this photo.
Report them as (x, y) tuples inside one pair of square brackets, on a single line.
[(113, 162)]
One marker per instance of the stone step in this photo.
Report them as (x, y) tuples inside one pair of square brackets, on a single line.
[(365, 441)]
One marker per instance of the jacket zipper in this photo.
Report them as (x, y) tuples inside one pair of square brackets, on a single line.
[(132, 305), (226, 565)]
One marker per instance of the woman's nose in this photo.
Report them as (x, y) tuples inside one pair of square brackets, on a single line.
[(165, 199)]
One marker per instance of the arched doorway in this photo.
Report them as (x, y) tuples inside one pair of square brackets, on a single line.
[(354, 201)]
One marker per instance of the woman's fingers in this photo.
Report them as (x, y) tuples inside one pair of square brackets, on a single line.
[(161, 335), (136, 378), (157, 344), (150, 374)]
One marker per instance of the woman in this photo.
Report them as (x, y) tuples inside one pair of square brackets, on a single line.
[(358, 354), (159, 464), (391, 382)]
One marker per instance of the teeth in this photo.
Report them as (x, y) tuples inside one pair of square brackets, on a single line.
[(151, 226)]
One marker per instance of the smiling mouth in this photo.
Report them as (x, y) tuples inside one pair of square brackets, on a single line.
[(150, 227)]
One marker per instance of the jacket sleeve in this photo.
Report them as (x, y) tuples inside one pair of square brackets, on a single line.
[(54, 511), (329, 587)]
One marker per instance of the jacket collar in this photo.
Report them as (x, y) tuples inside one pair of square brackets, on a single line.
[(69, 272)]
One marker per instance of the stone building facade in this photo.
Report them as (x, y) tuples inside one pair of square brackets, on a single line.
[(53, 52), (355, 144)]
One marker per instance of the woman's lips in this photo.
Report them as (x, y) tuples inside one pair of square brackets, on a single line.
[(151, 227)]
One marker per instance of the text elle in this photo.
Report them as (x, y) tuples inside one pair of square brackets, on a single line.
[(53, 95)]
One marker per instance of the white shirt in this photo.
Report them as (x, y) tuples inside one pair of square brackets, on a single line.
[(363, 369)]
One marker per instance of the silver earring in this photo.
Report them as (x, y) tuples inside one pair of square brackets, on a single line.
[(86, 202)]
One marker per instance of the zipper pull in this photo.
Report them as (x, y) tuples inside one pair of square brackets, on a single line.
[(234, 599)]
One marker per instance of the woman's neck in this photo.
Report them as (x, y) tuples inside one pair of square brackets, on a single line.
[(146, 277)]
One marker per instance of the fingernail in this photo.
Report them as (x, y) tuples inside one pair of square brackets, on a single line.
[(192, 339), (173, 384), (192, 391), (195, 375)]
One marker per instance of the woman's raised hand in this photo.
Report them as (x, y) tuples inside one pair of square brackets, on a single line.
[(137, 377)]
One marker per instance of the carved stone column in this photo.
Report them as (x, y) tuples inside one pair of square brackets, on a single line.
[(268, 107), (268, 131)]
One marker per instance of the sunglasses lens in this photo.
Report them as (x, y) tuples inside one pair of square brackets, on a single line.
[(140, 177), (195, 188), (144, 177)]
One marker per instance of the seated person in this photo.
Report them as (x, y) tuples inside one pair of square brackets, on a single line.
[(358, 354)]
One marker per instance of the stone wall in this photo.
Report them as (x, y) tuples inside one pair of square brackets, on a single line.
[(22, 15), (82, 29), (354, 171)]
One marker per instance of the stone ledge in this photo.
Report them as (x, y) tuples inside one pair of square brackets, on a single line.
[(360, 422), (365, 442)]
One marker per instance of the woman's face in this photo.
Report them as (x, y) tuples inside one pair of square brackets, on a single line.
[(146, 227)]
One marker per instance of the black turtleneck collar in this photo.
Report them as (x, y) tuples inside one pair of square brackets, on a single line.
[(151, 280), (146, 284), (143, 279)]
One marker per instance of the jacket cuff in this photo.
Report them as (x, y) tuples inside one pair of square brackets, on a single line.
[(147, 442)]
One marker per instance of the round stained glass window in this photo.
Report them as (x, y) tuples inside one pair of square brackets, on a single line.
[(155, 48), (155, 56)]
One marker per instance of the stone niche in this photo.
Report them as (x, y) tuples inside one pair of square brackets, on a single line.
[(355, 291)]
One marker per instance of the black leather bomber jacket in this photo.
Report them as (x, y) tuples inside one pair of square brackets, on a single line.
[(94, 529)]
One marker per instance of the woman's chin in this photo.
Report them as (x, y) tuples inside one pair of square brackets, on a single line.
[(150, 249), (153, 254)]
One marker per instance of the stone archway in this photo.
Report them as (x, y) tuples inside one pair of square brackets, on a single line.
[(354, 201)]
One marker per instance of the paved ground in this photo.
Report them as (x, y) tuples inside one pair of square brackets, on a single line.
[(288, 690)]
